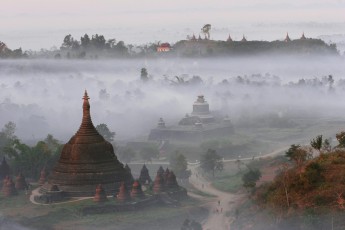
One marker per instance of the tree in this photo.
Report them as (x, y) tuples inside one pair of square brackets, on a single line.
[(126, 154), (7, 136), (105, 132), (341, 139), (149, 152), (69, 43), (85, 41), (31, 159), (211, 162), (298, 155), (178, 164), (144, 75), (121, 48), (316, 143), (251, 177), (98, 41)]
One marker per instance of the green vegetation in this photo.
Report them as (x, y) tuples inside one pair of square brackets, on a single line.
[(229, 182), (178, 164), (211, 162), (307, 192), (105, 132), (68, 216), (95, 46), (144, 75), (28, 159)]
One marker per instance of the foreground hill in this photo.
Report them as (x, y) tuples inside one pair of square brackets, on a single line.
[(307, 193)]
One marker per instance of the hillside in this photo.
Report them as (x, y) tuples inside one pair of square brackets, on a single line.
[(235, 48), (307, 193)]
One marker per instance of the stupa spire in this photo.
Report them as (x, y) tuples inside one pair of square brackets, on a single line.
[(87, 128)]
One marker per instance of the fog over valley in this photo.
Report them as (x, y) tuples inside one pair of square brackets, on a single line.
[(44, 96)]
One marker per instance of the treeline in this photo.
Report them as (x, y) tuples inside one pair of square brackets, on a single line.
[(97, 46), (5, 52), (91, 47)]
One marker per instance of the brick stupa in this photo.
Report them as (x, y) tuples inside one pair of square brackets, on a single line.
[(129, 176), (136, 191), (171, 182), (123, 194), (100, 195), (166, 175), (158, 184), (144, 177), (86, 161), (9, 189), (20, 182)]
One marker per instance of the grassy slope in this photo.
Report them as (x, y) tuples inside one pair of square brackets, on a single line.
[(18, 209)]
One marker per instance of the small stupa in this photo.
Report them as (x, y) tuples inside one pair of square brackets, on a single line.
[(166, 175), (160, 170), (144, 177), (9, 188), (20, 182), (100, 195), (229, 39), (243, 39), (123, 194), (129, 177), (287, 38), (4, 181), (136, 191), (171, 182), (43, 176), (158, 184)]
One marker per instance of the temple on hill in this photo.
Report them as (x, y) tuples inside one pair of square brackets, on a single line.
[(287, 38), (86, 161), (243, 39), (199, 125), (303, 37), (229, 39)]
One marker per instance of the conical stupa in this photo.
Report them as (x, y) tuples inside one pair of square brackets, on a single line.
[(136, 191), (171, 182), (86, 161), (20, 182), (9, 189), (123, 194), (158, 184), (100, 195), (129, 177), (144, 177)]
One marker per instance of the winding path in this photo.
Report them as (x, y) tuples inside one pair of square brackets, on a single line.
[(223, 202)]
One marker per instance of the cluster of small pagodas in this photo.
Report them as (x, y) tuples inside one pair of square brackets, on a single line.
[(10, 187), (165, 181)]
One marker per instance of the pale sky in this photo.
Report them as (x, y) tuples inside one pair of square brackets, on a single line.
[(38, 24)]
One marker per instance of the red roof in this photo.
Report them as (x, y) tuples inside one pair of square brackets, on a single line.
[(165, 45)]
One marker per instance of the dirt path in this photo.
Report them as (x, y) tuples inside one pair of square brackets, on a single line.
[(217, 219), (223, 202), (35, 192)]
